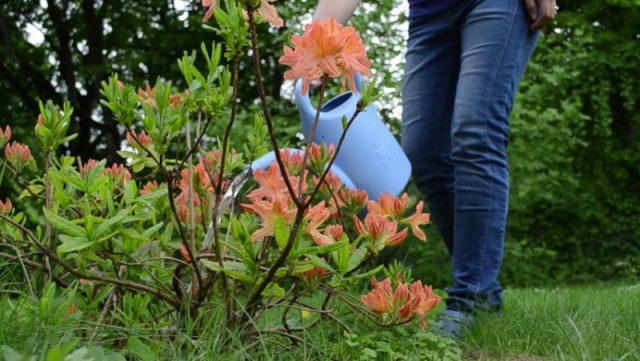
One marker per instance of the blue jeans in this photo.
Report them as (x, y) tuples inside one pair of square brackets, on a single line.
[(462, 73)]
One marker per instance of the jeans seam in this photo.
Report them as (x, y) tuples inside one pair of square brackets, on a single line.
[(485, 135)]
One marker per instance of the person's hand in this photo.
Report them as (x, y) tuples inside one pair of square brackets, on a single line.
[(541, 12)]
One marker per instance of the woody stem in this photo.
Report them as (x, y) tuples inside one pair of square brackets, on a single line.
[(265, 106), (312, 134)]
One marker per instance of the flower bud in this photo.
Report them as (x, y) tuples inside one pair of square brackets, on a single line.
[(149, 188), (6, 207), (88, 166), (139, 139), (18, 155), (116, 170), (5, 136)]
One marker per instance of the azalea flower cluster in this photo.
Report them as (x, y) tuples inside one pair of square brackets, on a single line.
[(204, 178), (6, 206), (5, 136), (381, 227), (115, 172), (266, 10), (382, 223), (402, 304), (17, 154), (326, 48), (139, 140)]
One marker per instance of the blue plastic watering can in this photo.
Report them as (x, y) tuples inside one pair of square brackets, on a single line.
[(370, 156)]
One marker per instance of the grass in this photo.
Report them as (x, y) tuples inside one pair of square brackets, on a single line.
[(576, 323)]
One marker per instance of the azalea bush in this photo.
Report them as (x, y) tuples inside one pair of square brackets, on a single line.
[(187, 226)]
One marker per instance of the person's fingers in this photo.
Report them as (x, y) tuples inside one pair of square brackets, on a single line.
[(546, 13), (532, 9)]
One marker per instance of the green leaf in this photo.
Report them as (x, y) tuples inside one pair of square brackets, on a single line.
[(132, 233), (281, 233), (63, 225), (153, 195), (107, 225), (321, 263), (151, 231), (72, 244), (235, 270), (369, 353), (274, 290), (322, 249), (342, 255), (357, 257), (370, 273), (241, 251)]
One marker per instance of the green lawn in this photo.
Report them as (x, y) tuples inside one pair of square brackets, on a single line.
[(577, 323), (581, 323)]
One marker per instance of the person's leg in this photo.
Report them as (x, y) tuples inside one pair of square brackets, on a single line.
[(430, 79), (496, 44)]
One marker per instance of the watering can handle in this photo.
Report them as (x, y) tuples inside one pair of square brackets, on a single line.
[(304, 103)]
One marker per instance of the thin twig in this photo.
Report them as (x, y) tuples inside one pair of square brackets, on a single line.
[(312, 134), (265, 106), (91, 276), (170, 180), (333, 159)]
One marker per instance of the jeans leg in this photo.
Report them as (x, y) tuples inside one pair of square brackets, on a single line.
[(429, 89), (496, 44)]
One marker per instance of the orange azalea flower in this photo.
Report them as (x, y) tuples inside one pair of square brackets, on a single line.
[(88, 166), (184, 253), (201, 180), (5, 136), (320, 155), (408, 301), (383, 231), (6, 207), (269, 212), (389, 205), (136, 139), (313, 276), (315, 217), (17, 153), (149, 188), (266, 10), (270, 13), (39, 122), (330, 183), (271, 183), (116, 170), (176, 100), (424, 300), (418, 219), (334, 231), (212, 160), (379, 299), (211, 4), (292, 161), (352, 199), (326, 48), (148, 95), (182, 203)]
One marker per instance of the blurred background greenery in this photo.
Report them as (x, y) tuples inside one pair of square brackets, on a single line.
[(575, 160)]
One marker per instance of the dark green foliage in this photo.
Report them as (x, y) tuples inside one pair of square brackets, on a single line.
[(575, 155)]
